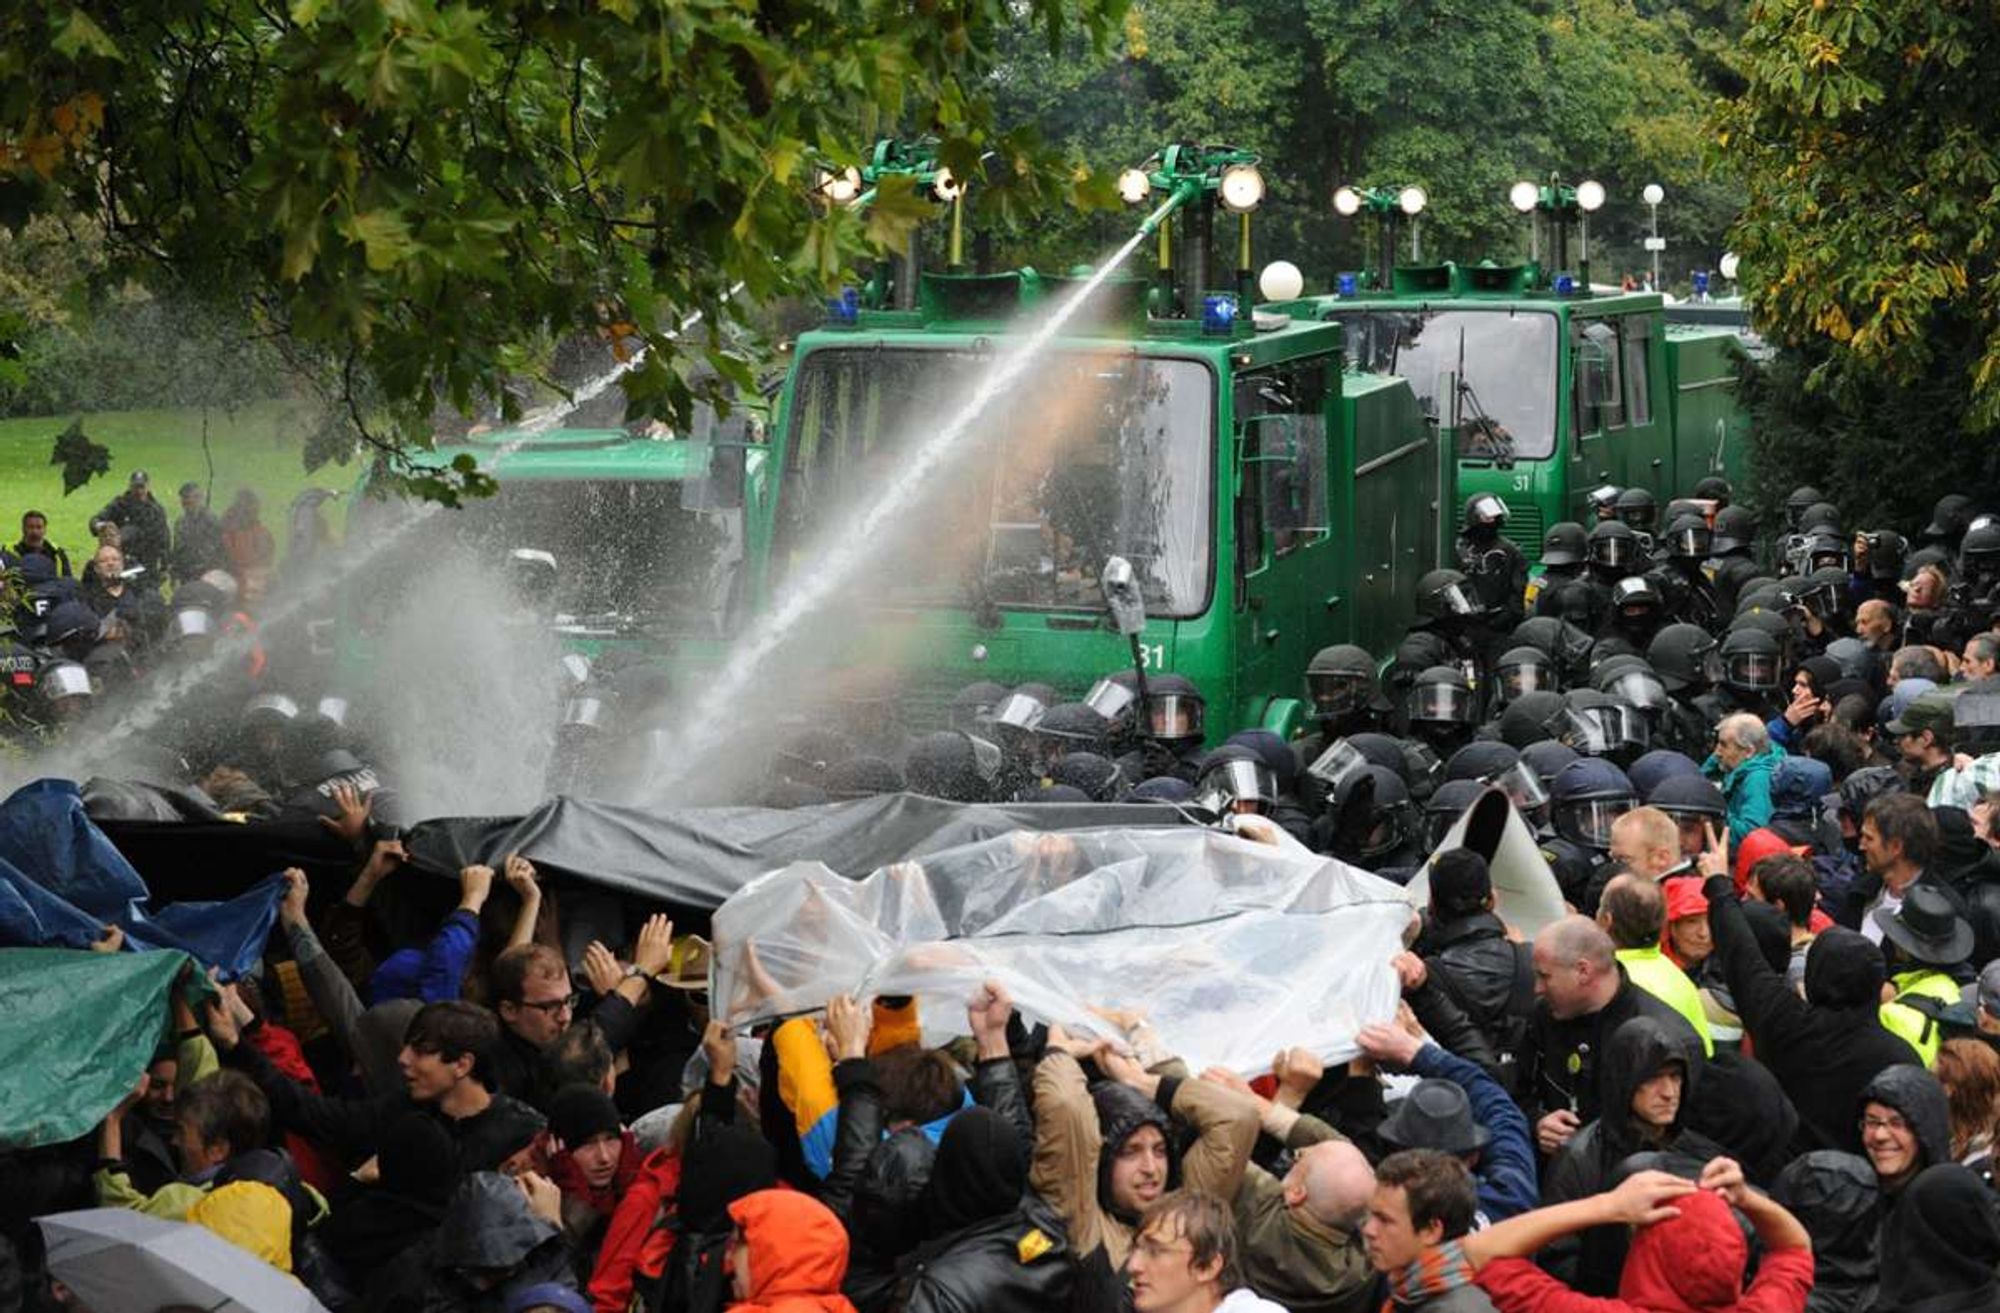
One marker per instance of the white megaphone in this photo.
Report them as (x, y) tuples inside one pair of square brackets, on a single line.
[(1525, 893)]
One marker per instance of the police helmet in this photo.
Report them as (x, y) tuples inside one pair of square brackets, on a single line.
[(1795, 505), (1500, 765), (62, 680), (1822, 550), (1635, 684), (1382, 795), (1820, 517), (1484, 510), (1949, 517), (1114, 697), (1979, 550), (1175, 710), (191, 624), (1886, 552), (1441, 695), (1548, 758), (1614, 546), (1603, 501), (1713, 488), (1097, 776), (1564, 643), (1070, 727), (1855, 658), (1751, 660), (1586, 798), (1443, 594), (1635, 596), (1526, 717), (1340, 680), (1523, 669), (1443, 808), (953, 765), (1637, 508), (1564, 544), (1688, 538), (1735, 530), (270, 708), (1234, 779), (1685, 657), (972, 706), (1688, 794), (1659, 764)]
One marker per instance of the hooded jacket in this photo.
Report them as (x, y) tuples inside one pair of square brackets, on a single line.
[(993, 1249), (1746, 789), (1835, 1197), (1823, 1048), (1688, 1264), (1639, 1050), (1916, 1094), (488, 1227), (1940, 1245), (797, 1252)]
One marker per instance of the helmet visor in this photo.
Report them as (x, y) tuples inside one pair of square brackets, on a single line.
[(1613, 551), (1578, 732), (1524, 677), (1622, 727), (1438, 823), (1488, 509), (1334, 694), (1386, 832), (1752, 670), (1110, 699), (986, 757), (1642, 516), (1690, 543), (1239, 782), (1422, 767), (1454, 599), (1175, 716), (1641, 689), (1523, 786), (1589, 820), (193, 622), (1018, 711), (587, 711), (1341, 763), (65, 679), (1441, 702)]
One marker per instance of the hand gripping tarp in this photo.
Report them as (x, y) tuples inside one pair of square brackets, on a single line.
[(1233, 950), (62, 881), (76, 1030)]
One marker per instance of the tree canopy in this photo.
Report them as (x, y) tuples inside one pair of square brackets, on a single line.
[(417, 191), (1866, 142)]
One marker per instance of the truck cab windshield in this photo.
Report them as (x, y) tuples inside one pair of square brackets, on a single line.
[(1101, 454), (1507, 403)]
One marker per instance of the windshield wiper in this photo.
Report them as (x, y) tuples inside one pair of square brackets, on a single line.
[(1495, 437)]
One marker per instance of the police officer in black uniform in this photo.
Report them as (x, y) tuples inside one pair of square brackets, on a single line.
[(1494, 566)]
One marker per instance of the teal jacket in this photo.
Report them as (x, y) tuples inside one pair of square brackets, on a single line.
[(1746, 790)]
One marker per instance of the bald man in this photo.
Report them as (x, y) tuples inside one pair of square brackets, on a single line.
[(1301, 1236), (1582, 995), (1875, 625)]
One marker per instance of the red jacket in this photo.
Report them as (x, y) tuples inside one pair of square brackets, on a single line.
[(281, 1047), (797, 1254), (1690, 1264), (633, 1245)]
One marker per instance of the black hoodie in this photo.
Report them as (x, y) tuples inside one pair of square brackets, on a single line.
[(995, 1247), (1940, 1245), (1915, 1093), (1835, 1197), (1638, 1050), (1823, 1048), (1971, 867)]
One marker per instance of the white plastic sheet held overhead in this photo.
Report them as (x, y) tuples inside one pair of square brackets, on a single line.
[(1232, 949)]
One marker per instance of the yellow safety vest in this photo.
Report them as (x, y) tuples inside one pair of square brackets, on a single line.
[(1656, 973), (1899, 1018)]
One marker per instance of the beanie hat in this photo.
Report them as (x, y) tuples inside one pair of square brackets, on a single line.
[(579, 1112)]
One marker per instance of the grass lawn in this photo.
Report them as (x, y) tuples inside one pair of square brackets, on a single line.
[(256, 447)]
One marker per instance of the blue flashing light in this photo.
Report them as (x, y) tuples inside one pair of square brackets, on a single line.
[(1218, 314), (845, 308), (1701, 282), (1347, 285), (1565, 284)]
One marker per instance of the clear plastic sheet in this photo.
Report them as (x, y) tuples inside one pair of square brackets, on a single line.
[(1231, 949)]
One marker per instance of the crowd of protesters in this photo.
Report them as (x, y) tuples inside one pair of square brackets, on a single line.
[(1755, 1066)]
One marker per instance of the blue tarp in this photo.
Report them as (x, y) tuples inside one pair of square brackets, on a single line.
[(62, 882)]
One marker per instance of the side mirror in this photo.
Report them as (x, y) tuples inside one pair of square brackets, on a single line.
[(1121, 594)]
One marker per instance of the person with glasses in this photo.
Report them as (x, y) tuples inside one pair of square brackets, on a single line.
[(536, 1002), (1905, 1125)]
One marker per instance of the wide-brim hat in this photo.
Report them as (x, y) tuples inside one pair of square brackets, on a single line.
[(1927, 928), (688, 969), (1435, 1115)]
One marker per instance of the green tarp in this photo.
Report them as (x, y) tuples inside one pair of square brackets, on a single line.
[(76, 1031)]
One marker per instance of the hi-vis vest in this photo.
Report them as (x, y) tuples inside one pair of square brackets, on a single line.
[(1913, 1021)]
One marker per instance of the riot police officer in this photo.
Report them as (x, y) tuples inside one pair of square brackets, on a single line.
[(1173, 720), (1733, 541), (1685, 589), (1496, 569), (1585, 798), (1688, 662)]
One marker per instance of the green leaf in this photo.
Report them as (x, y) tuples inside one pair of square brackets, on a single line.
[(385, 238), (81, 459), (80, 34)]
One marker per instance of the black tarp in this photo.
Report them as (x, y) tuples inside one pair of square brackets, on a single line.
[(690, 858)]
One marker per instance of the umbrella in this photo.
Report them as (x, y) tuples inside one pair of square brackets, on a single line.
[(120, 1261)]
